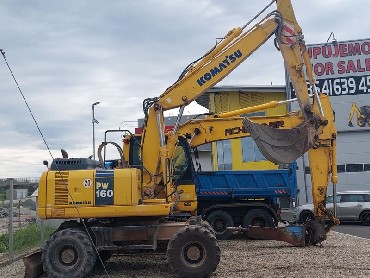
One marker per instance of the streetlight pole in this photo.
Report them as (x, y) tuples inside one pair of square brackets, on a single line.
[(94, 121)]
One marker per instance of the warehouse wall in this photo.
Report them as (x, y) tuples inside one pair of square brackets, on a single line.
[(354, 165), (242, 154)]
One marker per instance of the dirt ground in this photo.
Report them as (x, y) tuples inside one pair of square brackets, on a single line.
[(340, 256)]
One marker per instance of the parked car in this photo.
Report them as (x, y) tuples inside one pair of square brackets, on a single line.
[(351, 206)]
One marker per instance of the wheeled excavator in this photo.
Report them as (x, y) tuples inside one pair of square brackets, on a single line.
[(362, 115), (134, 207)]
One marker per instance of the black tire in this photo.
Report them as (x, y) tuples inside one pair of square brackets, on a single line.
[(365, 218), (258, 217), (68, 253), (306, 216), (219, 221), (193, 252), (206, 225)]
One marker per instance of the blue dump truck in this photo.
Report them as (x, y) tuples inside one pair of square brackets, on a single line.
[(243, 198)]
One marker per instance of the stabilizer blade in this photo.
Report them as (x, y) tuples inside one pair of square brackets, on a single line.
[(279, 145), (33, 265)]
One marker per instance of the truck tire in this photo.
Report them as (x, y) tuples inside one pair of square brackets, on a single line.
[(193, 252), (68, 253), (258, 217), (365, 218), (219, 221)]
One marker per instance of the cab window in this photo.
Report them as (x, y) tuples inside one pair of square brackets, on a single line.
[(179, 162)]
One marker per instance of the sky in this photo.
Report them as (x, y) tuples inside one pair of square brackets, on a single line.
[(67, 54)]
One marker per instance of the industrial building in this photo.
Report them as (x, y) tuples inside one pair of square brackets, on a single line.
[(352, 120)]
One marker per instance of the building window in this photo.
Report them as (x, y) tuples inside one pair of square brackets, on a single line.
[(366, 167), (250, 151), (351, 167), (341, 168), (224, 161), (354, 167)]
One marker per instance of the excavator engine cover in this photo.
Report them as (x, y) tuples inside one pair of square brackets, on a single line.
[(279, 145)]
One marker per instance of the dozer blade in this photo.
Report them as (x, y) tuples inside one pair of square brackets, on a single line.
[(279, 145), (33, 265), (295, 235)]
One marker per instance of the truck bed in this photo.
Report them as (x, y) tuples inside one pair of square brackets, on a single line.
[(239, 185)]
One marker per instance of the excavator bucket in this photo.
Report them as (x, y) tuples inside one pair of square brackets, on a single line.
[(33, 265), (279, 145)]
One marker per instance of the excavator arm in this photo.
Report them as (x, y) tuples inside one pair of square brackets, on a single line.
[(215, 65), (314, 133), (196, 79), (219, 62), (322, 159)]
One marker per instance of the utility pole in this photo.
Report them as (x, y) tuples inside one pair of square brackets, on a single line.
[(94, 121)]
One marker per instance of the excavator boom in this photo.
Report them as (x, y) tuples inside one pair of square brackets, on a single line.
[(216, 64), (315, 132), (322, 158)]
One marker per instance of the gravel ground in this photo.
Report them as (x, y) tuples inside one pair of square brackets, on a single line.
[(340, 256)]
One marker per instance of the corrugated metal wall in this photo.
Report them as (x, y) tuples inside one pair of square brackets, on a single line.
[(228, 101)]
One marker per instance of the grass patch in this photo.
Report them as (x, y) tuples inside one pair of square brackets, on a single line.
[(25, 238)]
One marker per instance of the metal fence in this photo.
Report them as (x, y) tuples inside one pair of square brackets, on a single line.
[(20, 180), (21, 231)]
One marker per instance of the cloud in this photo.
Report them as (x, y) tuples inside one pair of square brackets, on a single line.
[(68, 54)]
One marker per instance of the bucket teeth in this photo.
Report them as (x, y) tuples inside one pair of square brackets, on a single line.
[(279, 145)]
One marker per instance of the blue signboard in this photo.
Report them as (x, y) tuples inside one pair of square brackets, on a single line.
[(104, 188)]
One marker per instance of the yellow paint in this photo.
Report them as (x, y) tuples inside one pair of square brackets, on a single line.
[(56, 202), (188, 199), (106, 211), (126, 186), (223, 102)]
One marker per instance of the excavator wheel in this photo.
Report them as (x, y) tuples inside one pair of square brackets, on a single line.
[(68, 253), (193, 252), (206, 225)]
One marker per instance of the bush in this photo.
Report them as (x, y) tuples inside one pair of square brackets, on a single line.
[(25, 238)]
